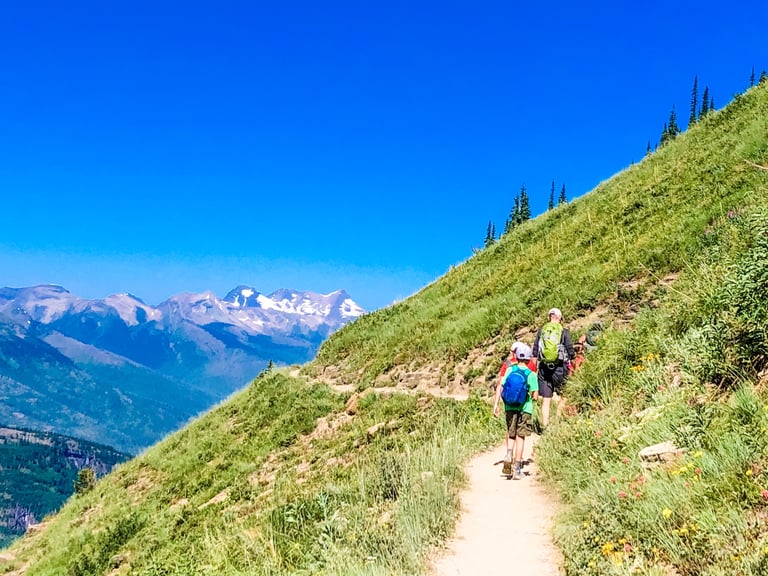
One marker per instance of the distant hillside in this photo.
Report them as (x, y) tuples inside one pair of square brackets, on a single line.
[(38, 474), (353, 464), (123, 373)]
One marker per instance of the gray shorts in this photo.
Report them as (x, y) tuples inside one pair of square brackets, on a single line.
[(551, 380), (518, 424)]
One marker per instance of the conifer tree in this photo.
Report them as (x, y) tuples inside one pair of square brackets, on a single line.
[(704, 103), (648, 149), (712, 104), (525, 205), (665, 134), (763, 77), (490, 235), (514, 216), (752, 78), (562, 199), (551, 204), (673, 128), (694, 101)]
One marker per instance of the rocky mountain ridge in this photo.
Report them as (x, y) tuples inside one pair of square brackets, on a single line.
[(123, 373)]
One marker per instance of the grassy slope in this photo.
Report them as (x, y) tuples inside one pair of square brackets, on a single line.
[(645, 221), (282, 479)]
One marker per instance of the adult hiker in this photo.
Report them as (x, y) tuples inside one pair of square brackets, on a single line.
[(553, 350), (517, 388)]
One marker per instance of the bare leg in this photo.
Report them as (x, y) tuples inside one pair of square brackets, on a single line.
[(545, 402), (561, 404), (519, 445)]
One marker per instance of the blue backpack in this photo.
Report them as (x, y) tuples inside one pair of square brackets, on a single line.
[(514, 390)]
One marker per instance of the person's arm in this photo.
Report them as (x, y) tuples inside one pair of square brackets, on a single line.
[(568, 344), (533, 385), (497, 395), (535, 350)]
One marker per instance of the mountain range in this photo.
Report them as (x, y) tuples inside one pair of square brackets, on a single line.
[(123, 373)]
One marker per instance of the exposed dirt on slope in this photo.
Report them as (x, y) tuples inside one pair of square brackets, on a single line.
[(455, 378)]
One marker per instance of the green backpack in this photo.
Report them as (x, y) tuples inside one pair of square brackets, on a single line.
[(549, 342)]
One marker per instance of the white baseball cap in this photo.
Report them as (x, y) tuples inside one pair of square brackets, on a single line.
[(555, 312), (516, 345), (523, 352)]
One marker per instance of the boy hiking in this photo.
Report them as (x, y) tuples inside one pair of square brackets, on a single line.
[(553, 350), (517, 388)]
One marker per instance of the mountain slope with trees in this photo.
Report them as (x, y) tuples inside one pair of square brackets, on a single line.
[(291, 476)]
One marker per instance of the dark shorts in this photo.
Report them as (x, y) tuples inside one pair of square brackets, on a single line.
[(551, 380), (518, 424)]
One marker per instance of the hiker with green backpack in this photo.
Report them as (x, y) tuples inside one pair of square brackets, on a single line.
[(553, 350), (517, 387)]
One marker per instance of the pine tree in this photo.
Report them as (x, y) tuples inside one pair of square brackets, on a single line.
[(490, 234), (694, 101), (525, 205), (551, 204), (712, 104), (673, 128), (752, 78), (562, 199), (516, 211), (665, 134), (763, 77), (648, 149), (704, 103)]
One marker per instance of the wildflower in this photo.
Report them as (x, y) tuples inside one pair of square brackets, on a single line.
[(748, 472), (598, 433), (625, 460), (638, 494), (607, 548), (622, 494), (764, 494), (765, 550), (613, 479), (666, 512), (698, 454), (627, 547), (697, 471)]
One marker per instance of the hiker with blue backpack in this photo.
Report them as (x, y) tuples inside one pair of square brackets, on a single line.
[(554, 351), (517, 387)]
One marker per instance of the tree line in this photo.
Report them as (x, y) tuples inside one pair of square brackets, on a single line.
[(521, 211), (699, 108)]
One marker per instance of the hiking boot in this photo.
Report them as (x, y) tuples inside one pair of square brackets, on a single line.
[(518, 471), (507, 468)]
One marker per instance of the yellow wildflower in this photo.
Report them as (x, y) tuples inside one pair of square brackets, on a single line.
[(666, 512)]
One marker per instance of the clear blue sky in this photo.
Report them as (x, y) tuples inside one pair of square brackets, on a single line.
[(161, 147)]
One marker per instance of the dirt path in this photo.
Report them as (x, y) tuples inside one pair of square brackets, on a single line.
[(501, 520)]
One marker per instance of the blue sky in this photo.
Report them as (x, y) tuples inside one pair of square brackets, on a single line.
[(163, 147)]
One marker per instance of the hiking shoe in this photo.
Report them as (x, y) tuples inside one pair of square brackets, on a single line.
[(507, 468), (518, 472)]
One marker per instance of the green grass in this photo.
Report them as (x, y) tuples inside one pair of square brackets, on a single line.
[(283, 478)]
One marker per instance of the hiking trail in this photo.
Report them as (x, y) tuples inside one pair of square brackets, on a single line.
[(505, 524)]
